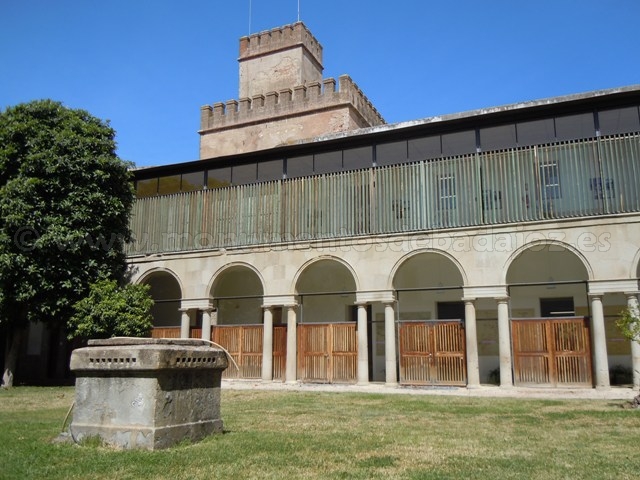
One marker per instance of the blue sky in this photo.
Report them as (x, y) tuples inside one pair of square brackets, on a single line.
[(148, 65)]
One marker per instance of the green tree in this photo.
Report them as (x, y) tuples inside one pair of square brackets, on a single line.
[(65, 201), (629, 324), (111, 310)]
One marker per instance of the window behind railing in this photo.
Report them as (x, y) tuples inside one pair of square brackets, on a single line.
[(554, 181)]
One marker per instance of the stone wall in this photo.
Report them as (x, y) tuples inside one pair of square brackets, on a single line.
[(284, 117), (277, 59)]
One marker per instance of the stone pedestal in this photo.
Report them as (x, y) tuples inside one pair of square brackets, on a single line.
[(147, 393)]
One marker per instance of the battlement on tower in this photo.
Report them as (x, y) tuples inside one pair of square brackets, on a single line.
[(289, 102), (281, 38), (282, 97)]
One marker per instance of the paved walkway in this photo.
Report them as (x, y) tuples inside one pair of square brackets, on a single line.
[(613, 393)]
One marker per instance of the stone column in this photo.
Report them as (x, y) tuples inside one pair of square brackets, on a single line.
[(390, 344), (185, 323), (363, 346), (599, 341), (473, 370), (292, 346), (267, 345), (206, 324), (632, 304), (504, 343)]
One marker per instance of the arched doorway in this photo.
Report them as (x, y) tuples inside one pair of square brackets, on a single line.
[(549, 317), (237, 294), (327, 336), (167, 295), (430, 321)]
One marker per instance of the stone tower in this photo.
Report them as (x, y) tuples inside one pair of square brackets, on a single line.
[(279, 59), (283, 98)]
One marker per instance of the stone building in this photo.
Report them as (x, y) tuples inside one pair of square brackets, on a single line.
[(319, 244)]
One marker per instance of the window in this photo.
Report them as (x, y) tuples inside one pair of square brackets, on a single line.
[(458, 143), (447, 189), (400, 209), (219, 177), (192, 181), (496, 138), (557, 307), (169, 184), (492, 200), (391, 153), (550, 180), (602, 188), (536, 132), (147, 188), (327, 162), (572, 127), (621, 120), (424, 148), (300, 166), (356, 158), (243, 174), (271, 170)]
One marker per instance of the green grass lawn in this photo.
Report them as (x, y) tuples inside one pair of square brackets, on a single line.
[(290, 435)]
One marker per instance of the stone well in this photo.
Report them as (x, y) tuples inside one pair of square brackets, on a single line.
[(147, 393)]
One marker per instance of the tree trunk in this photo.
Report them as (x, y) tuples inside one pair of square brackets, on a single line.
[(14, 342)]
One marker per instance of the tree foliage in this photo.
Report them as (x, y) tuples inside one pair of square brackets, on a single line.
[(629, 324), (111, 310), (65, 201)]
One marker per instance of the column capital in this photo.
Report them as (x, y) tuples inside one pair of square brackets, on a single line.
[(632, 294), (183, 310), (468, 299), (595, 295), (503, 299)]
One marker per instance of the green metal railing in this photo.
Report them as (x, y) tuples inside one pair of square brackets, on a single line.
[(562, 180)]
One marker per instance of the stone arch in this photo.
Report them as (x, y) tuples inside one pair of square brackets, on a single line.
[(547, 272), (429, 285), (634, 271), (322, 258), (326, 287), (552, 246), (237, 290), (166, 291), (402, 261)]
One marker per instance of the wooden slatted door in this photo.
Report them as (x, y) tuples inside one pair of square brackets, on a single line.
[(552, 352), (244, 344), (432, 353), (327, 352), (279, 351), (174, 332)]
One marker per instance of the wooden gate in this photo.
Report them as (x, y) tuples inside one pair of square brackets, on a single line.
[(174, 332), (327, 352), (279, 352), (244, 344), (432, 353), (551, 351)]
